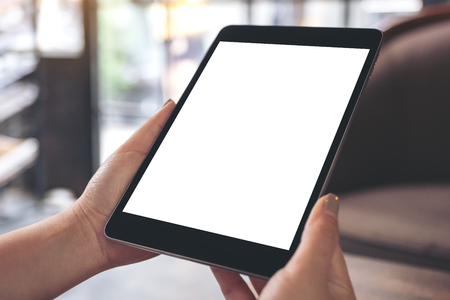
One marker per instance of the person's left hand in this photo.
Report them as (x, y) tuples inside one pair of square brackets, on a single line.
[(108, 184), (317, 270)]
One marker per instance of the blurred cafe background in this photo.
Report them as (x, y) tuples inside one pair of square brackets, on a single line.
[(78, 77)]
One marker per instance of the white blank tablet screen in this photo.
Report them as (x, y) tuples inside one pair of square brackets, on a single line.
[(245, 151)]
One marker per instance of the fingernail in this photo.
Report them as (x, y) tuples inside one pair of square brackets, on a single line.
[(165, 103), (331, 205)]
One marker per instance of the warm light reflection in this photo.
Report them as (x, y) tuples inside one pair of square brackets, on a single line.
[(176, 23), (178, 19)]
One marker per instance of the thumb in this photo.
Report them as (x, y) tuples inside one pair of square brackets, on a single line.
[(319, 240)]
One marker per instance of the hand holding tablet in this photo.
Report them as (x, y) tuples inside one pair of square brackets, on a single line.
[(317, 270), (236, 170)]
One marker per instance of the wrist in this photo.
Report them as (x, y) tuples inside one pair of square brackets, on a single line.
[(51, 256), (86, 237)]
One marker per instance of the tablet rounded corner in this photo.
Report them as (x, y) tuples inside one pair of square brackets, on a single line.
[(381, 32), (107, 231)]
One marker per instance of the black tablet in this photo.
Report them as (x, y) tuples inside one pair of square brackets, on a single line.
[(232, 177)]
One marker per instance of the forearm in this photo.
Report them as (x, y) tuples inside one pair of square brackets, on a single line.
[(44, 260)]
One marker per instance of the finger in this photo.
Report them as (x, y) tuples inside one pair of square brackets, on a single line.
[(339, 280), (258, 284), (319, 240), (143, 138), (232, 285)]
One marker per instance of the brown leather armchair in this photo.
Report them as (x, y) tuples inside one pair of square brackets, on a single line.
[(393, 173)]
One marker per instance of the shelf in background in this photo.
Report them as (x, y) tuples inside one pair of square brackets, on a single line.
[(16, 155), (17, 97), (15, 65), (20, 40)]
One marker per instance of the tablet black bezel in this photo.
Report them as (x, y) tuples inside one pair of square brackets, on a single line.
[(218, 250)]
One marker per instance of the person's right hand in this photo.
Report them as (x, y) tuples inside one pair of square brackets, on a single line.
[(317, 270)]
